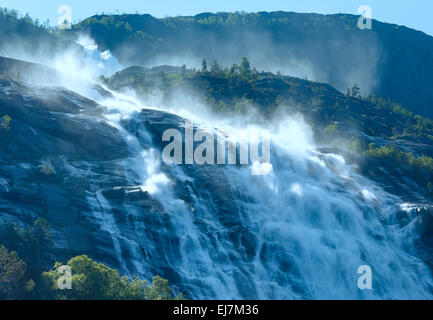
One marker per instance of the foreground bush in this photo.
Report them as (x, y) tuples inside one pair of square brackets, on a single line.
[(95, 281)]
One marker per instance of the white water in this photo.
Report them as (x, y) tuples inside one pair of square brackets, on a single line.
[(313, 220), (299, 232)]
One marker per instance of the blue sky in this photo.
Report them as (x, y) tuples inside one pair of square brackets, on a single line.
[(415, 14)]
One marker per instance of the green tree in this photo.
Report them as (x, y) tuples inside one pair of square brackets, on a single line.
[(159, 290), (96, 281), (33, 244), (90, 281), (42, 237), (332, 128), (104, 79), (234, 70), (215, 69), (5, 122), (13, 283), (245, 68), (355, 90), (128, 27), (204, 66)]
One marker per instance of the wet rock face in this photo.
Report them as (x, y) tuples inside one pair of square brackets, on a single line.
[(55, 122), (58, 148), (30, 71), (62, 161), (209, 229)]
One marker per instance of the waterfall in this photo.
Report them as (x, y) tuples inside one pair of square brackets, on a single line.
[(219, 232)]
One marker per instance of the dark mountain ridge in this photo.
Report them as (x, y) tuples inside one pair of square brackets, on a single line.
[(389, 60)]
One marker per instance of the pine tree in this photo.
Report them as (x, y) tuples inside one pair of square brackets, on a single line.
[(13, 283), (355, 90), (245, 68), (215, 68)]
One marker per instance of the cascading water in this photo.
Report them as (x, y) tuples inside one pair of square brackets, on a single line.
[(219, 232)]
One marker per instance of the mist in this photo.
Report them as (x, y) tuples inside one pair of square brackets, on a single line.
[(339, 56)]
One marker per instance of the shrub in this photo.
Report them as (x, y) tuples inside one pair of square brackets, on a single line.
[(5, 122), (332, 128), (96, 281), (46, 167), (13, 283)]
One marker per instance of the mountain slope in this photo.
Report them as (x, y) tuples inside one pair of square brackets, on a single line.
[(93, 170), (389, 60), (350, 123)]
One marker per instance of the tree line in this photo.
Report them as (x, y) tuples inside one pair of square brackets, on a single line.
[(27, 278)]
